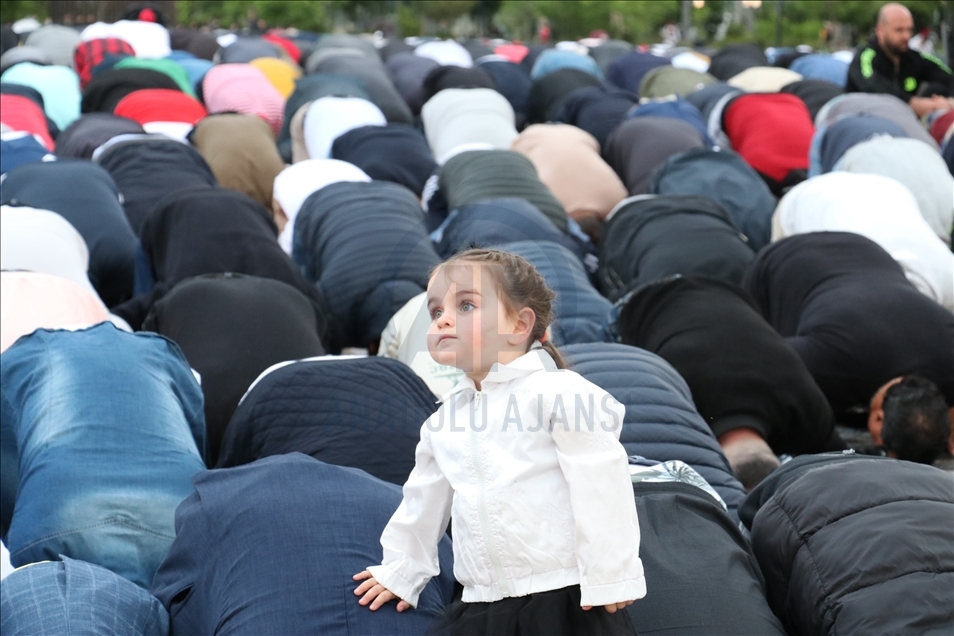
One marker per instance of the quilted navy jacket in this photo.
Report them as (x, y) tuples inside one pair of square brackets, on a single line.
[(364, 247), (661, 420), (365, 413)]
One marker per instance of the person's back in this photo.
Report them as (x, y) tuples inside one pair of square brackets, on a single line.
[(879, 208), (269, 548), (82, 474), (856, 545), (742, 375), (846, 307), (661, 421)]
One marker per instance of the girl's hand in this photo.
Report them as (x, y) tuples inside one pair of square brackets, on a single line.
[(611, 608), (375, 593)]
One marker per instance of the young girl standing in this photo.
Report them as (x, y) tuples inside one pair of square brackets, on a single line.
[(525, 456)]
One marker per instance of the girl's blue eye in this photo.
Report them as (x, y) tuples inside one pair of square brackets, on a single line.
[(466, 306), (436, 314)]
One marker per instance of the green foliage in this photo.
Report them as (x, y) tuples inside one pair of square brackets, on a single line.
[(409, 24), (309, 15), (631, 20), (13, 10)]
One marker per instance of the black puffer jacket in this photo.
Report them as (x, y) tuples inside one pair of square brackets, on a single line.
[(856, 545), (365, 413), (661, 421), (649, 239)]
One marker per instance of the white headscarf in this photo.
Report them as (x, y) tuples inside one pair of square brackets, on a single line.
[(43, 241), (297, 182), (876, 207), (445, 53), (915, 164), (330, 117), (148, 39), (459, 116)]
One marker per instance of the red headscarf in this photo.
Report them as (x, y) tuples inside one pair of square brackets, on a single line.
[(24, 114), (293, 51), (160, 104), (772, 131)]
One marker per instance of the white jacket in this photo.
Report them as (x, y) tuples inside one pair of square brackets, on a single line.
[(538, 484)]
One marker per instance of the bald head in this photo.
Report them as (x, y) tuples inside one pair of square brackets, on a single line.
[(893, 11), (895, 28)]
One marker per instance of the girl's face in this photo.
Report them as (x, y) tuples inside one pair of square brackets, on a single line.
[(471, 328)]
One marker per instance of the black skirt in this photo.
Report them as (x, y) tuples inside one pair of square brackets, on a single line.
[(552, 613)]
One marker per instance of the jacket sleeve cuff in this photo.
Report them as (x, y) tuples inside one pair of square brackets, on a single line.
[(628, 590), (395, 583)]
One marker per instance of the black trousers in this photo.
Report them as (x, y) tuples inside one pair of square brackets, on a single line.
[(552, 613)]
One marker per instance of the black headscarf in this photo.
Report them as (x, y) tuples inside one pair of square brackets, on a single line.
[(814, 92), (396, 153), (846, 306), (209, 231), (108, 88), (512, 82), (548, 92), (477, 175), (735, 58), (596, 109), (653, 238), (85, 195), (455, 77), (148, 169), (201, 45), (364, 413), (365, 248), (231, 328), (640, 145), (740, 371), (408, 72), (91, 131), (8, 40)]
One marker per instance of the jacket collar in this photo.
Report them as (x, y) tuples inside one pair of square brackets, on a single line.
[(537, 359)]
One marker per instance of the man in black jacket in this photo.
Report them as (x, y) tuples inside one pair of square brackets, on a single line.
[(886, 65)]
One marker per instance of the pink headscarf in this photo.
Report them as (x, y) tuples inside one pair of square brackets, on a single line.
[(242, 88)]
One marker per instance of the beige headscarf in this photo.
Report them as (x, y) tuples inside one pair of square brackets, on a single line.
[(569, 163), (242, 153)]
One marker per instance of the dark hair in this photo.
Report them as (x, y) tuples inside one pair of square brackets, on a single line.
[(916, 424), (753, 468), (520, 285)]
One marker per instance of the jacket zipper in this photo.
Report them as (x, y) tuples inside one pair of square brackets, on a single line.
[(482, 505)]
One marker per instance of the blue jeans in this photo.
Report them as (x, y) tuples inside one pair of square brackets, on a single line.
[(101, 432)]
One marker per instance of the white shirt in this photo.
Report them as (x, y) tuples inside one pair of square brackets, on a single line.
[(532, 471)]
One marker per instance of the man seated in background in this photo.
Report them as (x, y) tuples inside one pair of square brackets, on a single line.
[(886, 65)]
